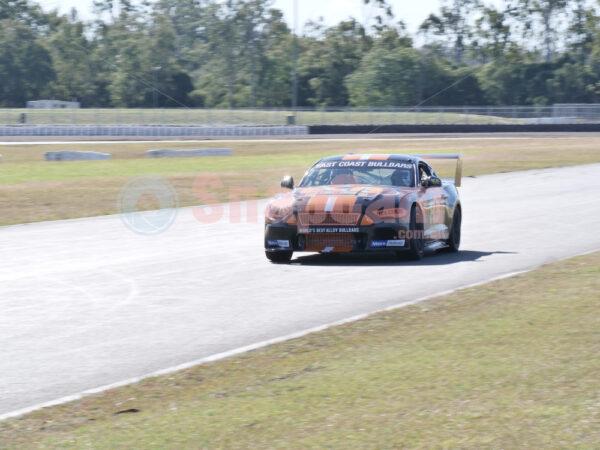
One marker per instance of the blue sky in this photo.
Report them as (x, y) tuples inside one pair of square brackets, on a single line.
[(333, 11)]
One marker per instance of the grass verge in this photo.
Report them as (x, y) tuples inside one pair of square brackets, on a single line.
[(513, 363), (33, 190), (219, 117)]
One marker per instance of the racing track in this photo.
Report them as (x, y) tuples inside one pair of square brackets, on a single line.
[(85, 303)]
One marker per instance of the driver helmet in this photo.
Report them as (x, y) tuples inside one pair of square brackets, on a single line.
[(401, 177)]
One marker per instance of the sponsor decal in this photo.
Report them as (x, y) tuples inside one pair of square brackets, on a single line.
[(389, 165), (366, 163), (351, 164), (278, 243), (396, 243), (330, 230), (390, 243)]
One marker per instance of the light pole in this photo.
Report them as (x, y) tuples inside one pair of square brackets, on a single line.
[(154, 88)]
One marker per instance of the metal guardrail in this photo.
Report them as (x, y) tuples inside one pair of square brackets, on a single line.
[(556, 114), (150, 131)]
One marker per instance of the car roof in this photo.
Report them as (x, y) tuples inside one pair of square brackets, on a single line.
[(374, 156)]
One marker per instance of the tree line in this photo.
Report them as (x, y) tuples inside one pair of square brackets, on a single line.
[(240, 53)]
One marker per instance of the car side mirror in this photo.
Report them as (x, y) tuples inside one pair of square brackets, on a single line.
[(287, 182), (431, 182)]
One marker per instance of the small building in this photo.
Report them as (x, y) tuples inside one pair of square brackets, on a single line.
[(52, 104)]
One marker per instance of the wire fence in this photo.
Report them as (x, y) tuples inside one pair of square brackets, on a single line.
[(555, 114)]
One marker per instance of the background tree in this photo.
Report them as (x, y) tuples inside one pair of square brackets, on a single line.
[(547, 12), (327, 61), (452, 22), (237, 53), (25, 64), (385, 78), (583, 26), (492, 34), (73, 60)]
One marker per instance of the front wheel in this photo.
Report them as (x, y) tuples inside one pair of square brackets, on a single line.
[(417, 235), (279, 257), (453, 241)]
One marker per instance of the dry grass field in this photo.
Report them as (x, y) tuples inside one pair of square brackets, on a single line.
[(34, 190)]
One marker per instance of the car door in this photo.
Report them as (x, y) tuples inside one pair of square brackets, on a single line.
[(433, 202)]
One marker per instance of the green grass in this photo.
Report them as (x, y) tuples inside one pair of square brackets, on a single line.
[(236, 117), (28, 172), (513, 363), (33, 190)]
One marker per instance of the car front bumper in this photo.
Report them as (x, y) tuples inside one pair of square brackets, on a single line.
[(374, 238)]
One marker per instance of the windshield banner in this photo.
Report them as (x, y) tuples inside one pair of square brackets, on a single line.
[(363, 164)]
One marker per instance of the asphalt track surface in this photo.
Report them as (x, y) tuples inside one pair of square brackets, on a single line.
[(86, 303)]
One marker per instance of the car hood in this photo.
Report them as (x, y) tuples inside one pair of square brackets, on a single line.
[(355, 190), (347, 198), (342, 204)]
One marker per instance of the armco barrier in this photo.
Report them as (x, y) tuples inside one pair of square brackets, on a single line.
[(149, 131), (245, 131), (453, 128)]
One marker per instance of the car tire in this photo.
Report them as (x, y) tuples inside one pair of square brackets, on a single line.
[(453, 241), (417, 239), (279, 257)]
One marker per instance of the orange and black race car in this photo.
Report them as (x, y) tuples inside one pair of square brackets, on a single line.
[(366, 203)]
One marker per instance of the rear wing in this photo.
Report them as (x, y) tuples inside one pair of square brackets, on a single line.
[(457, 156)]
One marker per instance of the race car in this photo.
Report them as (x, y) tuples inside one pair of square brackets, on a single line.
[(366, 203)]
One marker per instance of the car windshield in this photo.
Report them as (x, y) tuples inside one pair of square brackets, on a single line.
[(379, 173)]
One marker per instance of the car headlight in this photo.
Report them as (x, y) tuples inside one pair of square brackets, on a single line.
[(386, 209), (390, 213), (278, 211)]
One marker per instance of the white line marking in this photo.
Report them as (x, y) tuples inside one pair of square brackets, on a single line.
[(261, 344)]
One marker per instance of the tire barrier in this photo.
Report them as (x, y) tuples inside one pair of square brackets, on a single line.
[(73, 155)]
